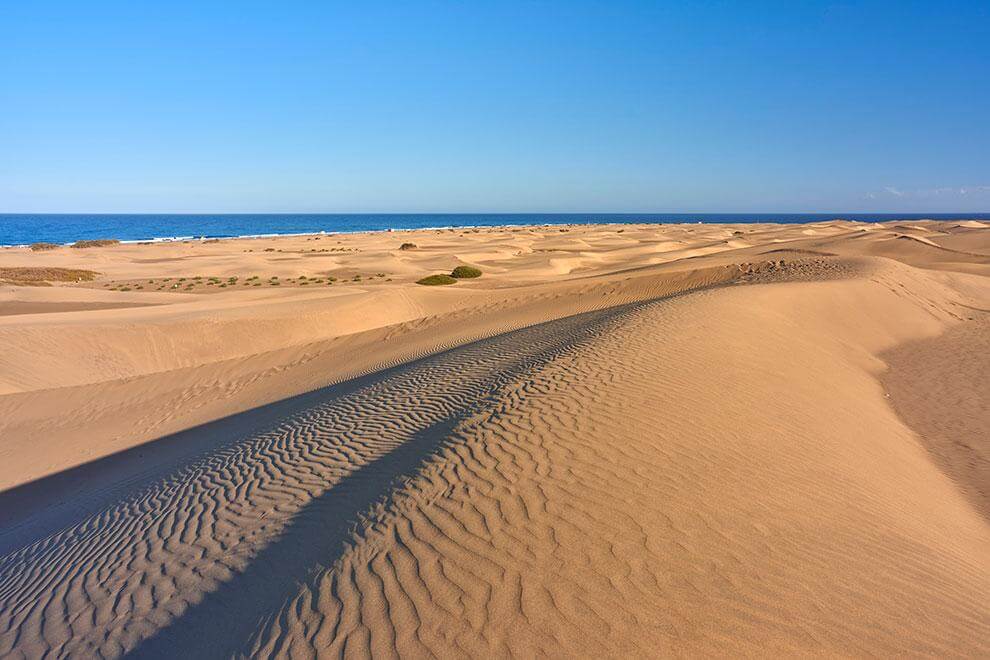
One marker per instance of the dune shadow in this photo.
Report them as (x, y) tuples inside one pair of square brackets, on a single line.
[(80, 489), (313, 541), (80, 548)]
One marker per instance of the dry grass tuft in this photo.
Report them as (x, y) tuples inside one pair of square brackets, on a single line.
[(42, 247), (407, 246), (41, 276), (96, 242)]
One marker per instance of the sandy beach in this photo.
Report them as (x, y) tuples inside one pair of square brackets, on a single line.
[(618, 441)]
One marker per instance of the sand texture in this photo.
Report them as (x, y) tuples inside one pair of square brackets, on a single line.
[(619, 441)]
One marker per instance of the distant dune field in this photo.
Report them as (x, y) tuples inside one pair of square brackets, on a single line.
[(618, 441)]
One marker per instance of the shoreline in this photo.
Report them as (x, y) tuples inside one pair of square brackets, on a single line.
[(684, 219)]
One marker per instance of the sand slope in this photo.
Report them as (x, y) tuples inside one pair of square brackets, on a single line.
[(685, 459)]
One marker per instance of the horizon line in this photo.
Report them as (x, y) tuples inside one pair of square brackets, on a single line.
[(456, 213)]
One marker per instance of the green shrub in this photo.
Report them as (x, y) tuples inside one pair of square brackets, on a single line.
[(464, 272), (437, 280)]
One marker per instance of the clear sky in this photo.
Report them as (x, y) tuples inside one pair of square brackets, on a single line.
[(494, 106)]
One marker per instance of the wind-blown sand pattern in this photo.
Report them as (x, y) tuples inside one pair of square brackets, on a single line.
[(706, 454)]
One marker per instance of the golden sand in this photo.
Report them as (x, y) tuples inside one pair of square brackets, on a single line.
[(618, 441)]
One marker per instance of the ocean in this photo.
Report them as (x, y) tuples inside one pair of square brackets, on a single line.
[(21, 229)]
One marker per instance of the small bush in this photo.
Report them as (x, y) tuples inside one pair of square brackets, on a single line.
[(465, 272), (41, 247), (407, 246), (437, 280), (98, 242)]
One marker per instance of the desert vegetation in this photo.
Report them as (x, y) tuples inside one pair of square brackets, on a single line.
[(465, 272), (43, 276), (437, 280), (96, 242)]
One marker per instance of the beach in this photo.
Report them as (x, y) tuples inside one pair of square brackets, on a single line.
[(620, 440)]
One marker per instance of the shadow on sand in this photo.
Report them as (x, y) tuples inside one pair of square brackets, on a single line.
[(106, 518)]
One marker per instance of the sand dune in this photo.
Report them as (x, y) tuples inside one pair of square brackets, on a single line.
[(748, 447)]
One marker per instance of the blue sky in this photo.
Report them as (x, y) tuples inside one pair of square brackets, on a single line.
[(494, 106)]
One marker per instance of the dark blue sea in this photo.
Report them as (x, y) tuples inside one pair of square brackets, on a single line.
[(20, 229)]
